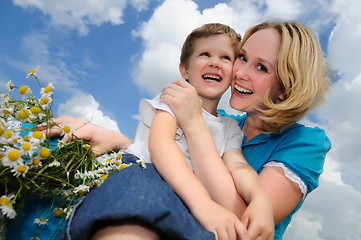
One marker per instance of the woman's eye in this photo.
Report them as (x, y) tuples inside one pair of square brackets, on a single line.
[(262, 68), (242, 57)]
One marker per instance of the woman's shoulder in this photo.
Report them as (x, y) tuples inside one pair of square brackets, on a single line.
[(299, 130)]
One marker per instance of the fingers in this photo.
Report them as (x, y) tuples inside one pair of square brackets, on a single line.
[(241, 230)]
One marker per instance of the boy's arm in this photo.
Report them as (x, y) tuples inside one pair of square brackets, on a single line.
[(171, 165), (259, 214), (220, 180)]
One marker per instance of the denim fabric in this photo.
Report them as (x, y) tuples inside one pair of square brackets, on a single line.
[(139, 193)]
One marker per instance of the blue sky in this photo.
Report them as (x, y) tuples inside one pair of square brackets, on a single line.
[(104, 56)]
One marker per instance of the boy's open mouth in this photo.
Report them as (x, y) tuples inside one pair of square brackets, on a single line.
[(212, 78), (242, 90)]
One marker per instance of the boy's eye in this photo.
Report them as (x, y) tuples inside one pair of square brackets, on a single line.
[(205, 54), (227, 58), (262, 68)]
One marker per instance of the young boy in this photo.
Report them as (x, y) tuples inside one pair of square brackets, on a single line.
[(206, 62)]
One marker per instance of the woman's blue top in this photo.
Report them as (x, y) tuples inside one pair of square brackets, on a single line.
[(301, 149)]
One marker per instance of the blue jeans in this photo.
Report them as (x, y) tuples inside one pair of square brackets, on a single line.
[(135, 193)]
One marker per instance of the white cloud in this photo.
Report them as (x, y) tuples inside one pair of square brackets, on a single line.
[(86, 107), (331, 212), (82, 13), (140, 5)]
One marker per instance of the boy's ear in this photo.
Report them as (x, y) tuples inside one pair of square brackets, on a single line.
[(183, 70)]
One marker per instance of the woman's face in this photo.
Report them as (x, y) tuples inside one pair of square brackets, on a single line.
[(254, 71)]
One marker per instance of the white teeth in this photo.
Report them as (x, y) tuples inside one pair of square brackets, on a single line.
[(242, 90), (209, 77)]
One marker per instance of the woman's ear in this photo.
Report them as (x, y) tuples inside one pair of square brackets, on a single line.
[(184, 71)]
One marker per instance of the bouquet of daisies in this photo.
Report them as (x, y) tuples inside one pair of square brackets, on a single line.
[(34, 165)]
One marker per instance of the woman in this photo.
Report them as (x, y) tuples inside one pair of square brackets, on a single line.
[(279, 76)]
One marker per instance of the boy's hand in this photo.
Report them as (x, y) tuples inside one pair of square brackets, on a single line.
[(223, 223), (258, 218)]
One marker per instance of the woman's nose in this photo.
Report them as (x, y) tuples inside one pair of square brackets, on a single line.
[(241, 71)]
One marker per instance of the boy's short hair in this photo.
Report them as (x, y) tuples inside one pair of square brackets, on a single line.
[(208, 30)]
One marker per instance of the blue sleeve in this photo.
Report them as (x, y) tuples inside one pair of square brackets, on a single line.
[(303, 151)]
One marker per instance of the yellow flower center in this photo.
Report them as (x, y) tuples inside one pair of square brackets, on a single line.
[(119, 156), (32, 71), (1, 131), (48, 89), (117, 163), (26, 146), (35, 110), (58, 212), (104, 176), (13, 155), (44, 152), (21, 169), (26, 138), (38, 135), (24, 114), (44, 101), (66, 129), (36, 161), (108, 160), (9, 134), (123, 166), (7, 112), (86, 146), (23, 89), (4, 201)]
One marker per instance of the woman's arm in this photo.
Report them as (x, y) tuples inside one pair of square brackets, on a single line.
[(103, 139), (283, 193), (172, 166)]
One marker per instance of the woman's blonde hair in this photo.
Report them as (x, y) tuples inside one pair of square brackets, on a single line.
[(302, 71)]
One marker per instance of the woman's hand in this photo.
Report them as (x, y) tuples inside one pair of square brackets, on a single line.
[(103, 139), (184, 101)]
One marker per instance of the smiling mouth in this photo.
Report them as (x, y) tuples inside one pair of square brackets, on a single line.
[(211, 78), (242, 90)]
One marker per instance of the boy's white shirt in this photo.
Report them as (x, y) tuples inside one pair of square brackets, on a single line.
[(225, 131)]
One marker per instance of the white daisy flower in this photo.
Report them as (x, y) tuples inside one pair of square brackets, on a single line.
[(36, 113), (32, 72), (12, 158), (55, 163), (36, 137), (9, 86), (20, 170), (6, 111), (24, 91), (28, 149), (81, 189), (41, 221), (8, 211), (45, 101), (47, 90), (34, 163), (6, 206)]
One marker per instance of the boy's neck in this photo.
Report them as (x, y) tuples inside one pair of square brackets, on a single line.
[(210, 105)]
